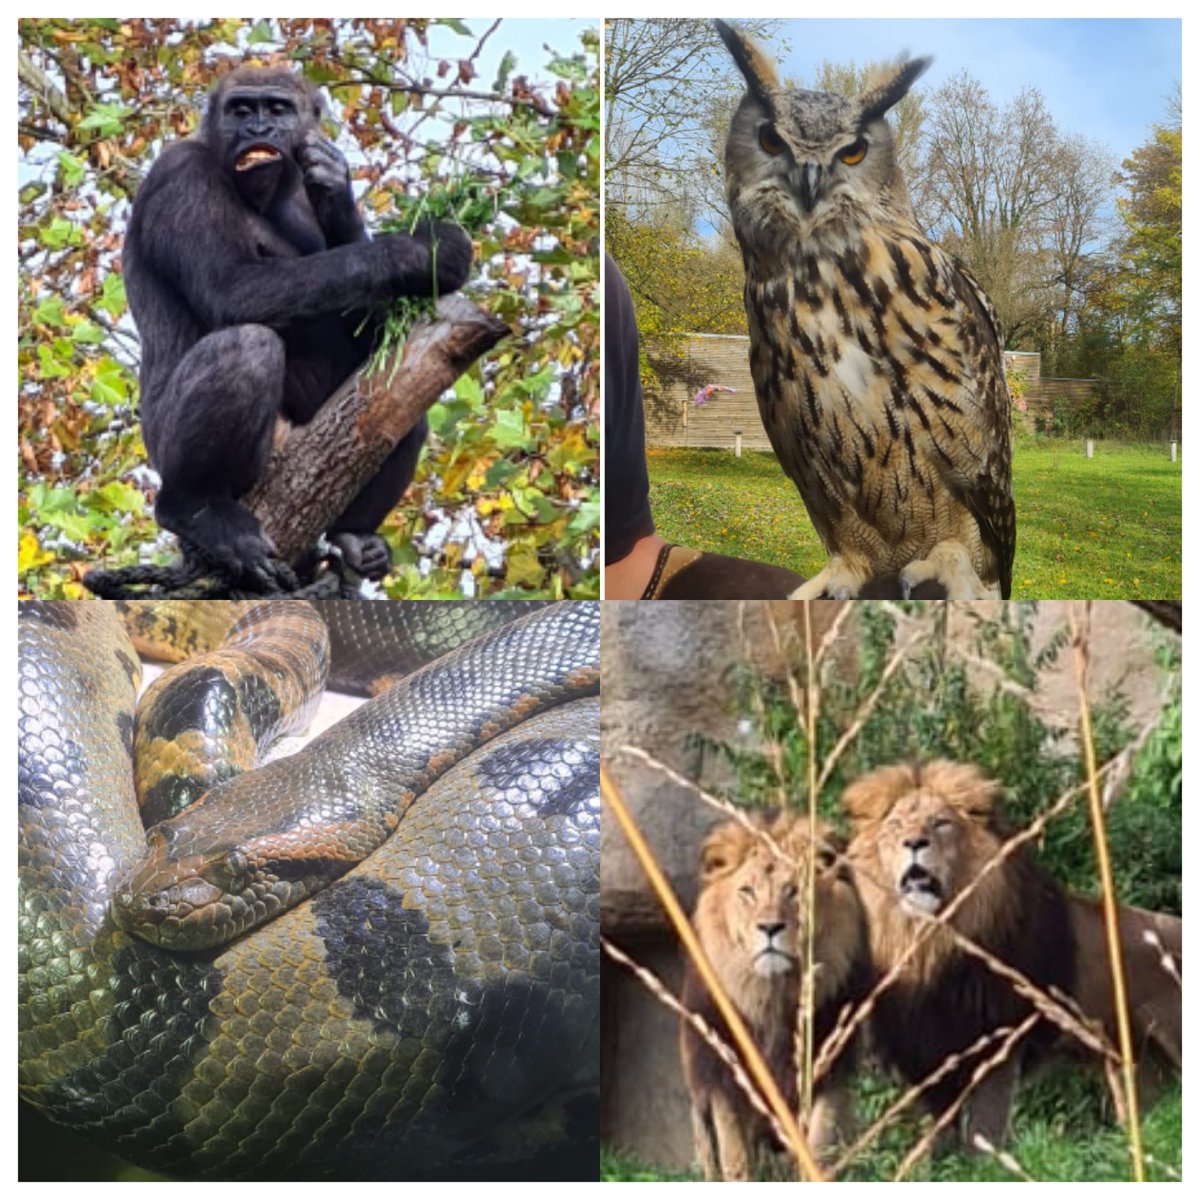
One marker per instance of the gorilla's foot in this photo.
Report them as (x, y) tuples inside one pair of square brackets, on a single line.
[(366, 554), (225, 532)]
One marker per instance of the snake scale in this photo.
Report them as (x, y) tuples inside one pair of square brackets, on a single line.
[(427, 1012)]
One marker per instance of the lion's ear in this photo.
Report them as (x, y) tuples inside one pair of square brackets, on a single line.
[(723, 851)]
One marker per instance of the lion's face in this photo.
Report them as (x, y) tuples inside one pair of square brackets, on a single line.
[(762, 919), (921, 835), (922, 847), (751, 914)]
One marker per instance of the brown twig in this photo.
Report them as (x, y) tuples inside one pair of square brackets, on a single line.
[(868, 707)]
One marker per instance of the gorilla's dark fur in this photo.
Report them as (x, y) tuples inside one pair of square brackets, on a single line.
[(249, 273)]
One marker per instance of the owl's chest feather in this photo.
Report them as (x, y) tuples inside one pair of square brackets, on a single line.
[(857, 356)]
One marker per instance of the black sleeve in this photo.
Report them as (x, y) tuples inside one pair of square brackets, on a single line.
[(626, 486)]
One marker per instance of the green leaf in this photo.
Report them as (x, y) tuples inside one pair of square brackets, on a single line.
[(59, 233), (52, 366), (84, 333), (506, 65), (586, 518), (106, 119), (112, 294), (74, 170), (110, 385), (469, 391), (76, 526), (121, 497), (499, 472), (508, 430), (260, 33), (50, 312)]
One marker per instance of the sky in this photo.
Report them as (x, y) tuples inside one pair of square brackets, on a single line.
[(1106, 79)]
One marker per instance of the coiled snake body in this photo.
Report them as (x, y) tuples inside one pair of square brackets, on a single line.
[(379, 1020)]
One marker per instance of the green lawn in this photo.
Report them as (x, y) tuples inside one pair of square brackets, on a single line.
[(1109, 527), (1061, 1131)]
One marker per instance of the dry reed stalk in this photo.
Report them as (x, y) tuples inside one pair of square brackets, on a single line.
[(1133, 1125), (868, 707), (719, 1046), (807, 877), (729, 1014), (1166, 959), (760, 710), (1007, 1160), (740, 815), (912, 1095), (925, 1142)]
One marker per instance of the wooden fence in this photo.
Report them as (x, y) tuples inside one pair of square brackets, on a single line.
[(685, 365)]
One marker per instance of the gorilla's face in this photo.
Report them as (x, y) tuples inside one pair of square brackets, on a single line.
[(259, 128)]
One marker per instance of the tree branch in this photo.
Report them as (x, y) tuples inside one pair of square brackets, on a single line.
[(320, 467)]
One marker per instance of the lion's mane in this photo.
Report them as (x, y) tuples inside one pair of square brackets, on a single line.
[(945, 999)]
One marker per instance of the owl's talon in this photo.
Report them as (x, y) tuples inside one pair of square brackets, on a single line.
[(948, 564)]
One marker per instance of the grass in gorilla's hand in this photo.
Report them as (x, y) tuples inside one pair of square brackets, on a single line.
[(465, 202)]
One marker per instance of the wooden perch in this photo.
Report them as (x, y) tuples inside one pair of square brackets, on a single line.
[(320, 467)]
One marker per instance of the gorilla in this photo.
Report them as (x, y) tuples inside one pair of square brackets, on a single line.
[(250, 276)]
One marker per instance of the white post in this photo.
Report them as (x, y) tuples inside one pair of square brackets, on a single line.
[(1090, 447), (1174, 451), (737, 443)]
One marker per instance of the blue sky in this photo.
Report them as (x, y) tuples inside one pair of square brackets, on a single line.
[(1107, 79), (524, 36)]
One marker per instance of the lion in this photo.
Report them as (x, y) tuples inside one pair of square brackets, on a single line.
[(748, 919), (1152, 952), (921, 834)]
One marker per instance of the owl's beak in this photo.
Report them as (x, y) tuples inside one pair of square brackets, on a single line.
[(807, 179)]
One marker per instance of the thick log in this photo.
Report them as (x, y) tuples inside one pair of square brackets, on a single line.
[(320, 467)]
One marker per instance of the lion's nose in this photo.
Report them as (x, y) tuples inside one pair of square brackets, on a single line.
[(916, 843), (771, 928)]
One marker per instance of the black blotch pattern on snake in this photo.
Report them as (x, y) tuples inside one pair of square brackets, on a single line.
[(253, 1060)]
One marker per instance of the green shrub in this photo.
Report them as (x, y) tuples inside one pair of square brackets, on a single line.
[(933, 706)]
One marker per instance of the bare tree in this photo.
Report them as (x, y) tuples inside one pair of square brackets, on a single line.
[(993, 178), (1075, 223), (660, 77)]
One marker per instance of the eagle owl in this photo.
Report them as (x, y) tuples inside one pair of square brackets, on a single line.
[(876, 357)]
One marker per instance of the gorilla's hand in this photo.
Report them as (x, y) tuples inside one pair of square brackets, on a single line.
[(327, 182), (434, 259), (367, 554), (452, 255)]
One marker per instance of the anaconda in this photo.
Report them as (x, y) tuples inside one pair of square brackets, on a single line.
[(387, 1024)]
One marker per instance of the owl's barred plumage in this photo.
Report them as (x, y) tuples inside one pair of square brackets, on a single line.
[(876, 357)]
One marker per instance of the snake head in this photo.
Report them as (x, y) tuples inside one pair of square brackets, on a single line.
[(181, 901)]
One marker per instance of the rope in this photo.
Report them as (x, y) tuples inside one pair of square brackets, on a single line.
[(196, 576)]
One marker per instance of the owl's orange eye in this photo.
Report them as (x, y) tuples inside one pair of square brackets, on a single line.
[(854, 153), (770, 141)]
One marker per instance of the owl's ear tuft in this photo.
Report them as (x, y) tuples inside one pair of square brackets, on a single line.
[(890, 86), (758, 70)]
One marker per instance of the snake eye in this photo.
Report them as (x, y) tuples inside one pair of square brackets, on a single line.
[(854, 153), (769, 140)]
